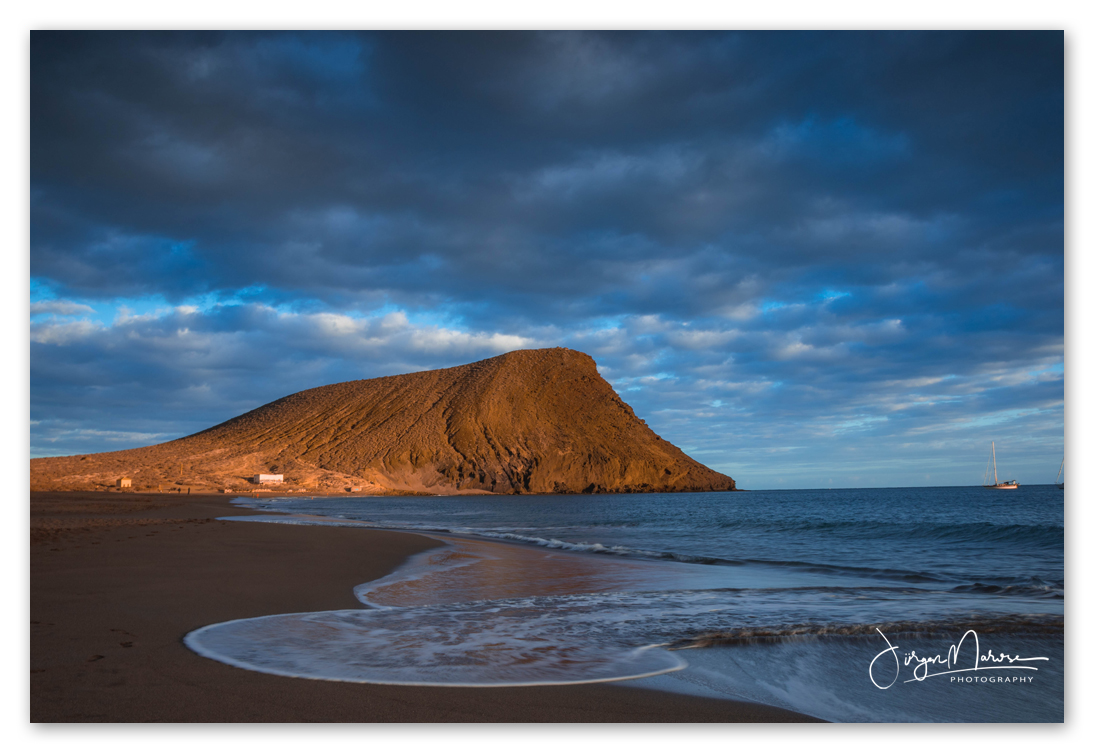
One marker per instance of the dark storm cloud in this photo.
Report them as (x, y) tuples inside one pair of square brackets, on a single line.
[(789, 224), (262, 155)]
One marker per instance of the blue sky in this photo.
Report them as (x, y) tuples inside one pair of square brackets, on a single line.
[(808, 259)]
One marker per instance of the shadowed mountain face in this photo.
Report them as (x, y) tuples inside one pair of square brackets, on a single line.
[(530, 421)]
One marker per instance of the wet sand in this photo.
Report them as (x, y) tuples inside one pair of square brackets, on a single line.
[(117, 580)]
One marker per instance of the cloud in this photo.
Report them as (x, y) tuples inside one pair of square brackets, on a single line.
[(194, 368), (724, 393), (787, 224), (61, 308)]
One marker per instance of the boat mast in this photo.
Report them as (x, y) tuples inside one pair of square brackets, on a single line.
[(1060, 471), (994, 470)]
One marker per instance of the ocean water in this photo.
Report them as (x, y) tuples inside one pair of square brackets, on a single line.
[(917, 604)]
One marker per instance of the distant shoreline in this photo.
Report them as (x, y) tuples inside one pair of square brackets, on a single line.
[(273, 491)]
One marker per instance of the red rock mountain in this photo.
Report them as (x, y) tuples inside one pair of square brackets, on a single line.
[(530, 421)]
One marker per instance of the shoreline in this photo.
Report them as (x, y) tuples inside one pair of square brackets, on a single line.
[(117, 580)]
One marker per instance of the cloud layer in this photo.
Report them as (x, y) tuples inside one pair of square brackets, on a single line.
[(810, 259)]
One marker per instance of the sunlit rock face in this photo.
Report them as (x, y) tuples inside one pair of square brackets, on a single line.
[(529, 421)]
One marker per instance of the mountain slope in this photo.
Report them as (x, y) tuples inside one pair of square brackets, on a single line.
[(531, 421)]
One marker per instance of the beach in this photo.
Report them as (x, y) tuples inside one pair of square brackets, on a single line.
[(118, 579), (777, 597)]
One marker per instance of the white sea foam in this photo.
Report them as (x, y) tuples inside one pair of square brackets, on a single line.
[(481, 646), (430, 625)]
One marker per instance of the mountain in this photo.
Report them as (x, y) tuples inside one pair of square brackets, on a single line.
[(530, 421)]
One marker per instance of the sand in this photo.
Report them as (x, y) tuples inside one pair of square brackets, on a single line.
[(118, 579)]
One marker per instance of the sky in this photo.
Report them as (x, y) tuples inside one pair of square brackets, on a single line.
[(807, 259)]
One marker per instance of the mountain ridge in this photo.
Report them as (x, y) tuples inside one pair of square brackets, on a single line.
[(528, 421)]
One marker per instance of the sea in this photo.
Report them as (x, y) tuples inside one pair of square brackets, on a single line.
[(927, 604)]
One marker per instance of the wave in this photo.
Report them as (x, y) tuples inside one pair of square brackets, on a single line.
[(1022, 587), (1031, 586), (557, 639), (954, 533), (1017, 625), (965, 583), (910, 576)]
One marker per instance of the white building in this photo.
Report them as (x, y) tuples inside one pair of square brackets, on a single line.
[(269, 478), (125, 483)]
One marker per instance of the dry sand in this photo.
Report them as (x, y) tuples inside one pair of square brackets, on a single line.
[(118, 579)]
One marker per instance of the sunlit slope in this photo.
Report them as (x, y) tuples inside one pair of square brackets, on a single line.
[(530, 421)]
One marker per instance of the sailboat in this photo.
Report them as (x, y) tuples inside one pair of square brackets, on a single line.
[(994, 472), (1059, 483)]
